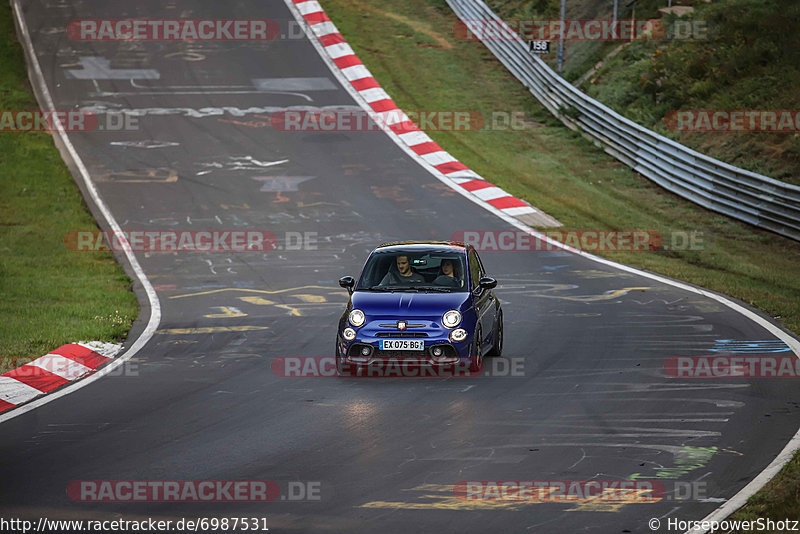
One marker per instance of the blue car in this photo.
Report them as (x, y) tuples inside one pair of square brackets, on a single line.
[(423, 303)]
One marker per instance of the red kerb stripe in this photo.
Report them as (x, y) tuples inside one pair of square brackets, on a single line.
[(451, 166), (316, 18), (426, 148), (365, 83), (81, 354), (474, 185), (347, 61), (332, 39), (507, 202), (36, 377)]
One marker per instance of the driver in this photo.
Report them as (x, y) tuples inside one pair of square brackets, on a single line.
[(404, 275), (448, 277)]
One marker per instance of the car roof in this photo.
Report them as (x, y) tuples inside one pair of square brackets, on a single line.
[(422, 246)]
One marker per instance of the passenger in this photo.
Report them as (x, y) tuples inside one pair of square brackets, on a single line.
[(403, 275), (448, 276)]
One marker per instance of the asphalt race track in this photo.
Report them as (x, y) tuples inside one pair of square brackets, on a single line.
[(589, 398)]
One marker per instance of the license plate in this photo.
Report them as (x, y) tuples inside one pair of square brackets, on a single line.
[(402, 344)]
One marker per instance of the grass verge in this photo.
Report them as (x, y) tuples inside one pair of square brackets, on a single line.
[(49, 295), (410, 48)]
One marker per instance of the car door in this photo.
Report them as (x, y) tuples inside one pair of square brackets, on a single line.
[(483, 299)]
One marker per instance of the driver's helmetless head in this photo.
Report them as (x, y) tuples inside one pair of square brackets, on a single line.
[(447, 267), (403, 265)]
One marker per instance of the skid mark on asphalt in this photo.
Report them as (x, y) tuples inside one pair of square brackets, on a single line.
[(209, 330), (140, 176), (99, 68), (535, 288), (594, 274)]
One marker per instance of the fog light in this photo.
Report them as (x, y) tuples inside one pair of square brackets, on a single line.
[(437, 351), (365, 351), (349, 334), (459, 334)]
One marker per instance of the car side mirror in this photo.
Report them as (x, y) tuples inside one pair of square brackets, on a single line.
[(348, 282), (487, 282)]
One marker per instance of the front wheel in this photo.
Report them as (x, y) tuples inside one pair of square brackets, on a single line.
[(340, 365), (476, 357), (497, 346)]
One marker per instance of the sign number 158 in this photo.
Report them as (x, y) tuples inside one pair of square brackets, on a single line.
[(539, 47)]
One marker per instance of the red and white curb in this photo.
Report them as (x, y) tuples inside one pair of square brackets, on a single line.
[(398, 122), (64, 365)]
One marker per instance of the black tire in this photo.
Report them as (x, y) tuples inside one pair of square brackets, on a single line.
[(476, 358), (340, 366), (497, 346)]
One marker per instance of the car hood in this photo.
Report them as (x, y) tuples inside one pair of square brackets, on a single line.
[(408, 303)]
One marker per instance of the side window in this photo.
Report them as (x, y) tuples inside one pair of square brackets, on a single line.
[(474, 269)]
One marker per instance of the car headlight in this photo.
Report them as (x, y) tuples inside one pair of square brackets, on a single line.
[(451, 318), (357, 318), (457, 335), (349, 334)]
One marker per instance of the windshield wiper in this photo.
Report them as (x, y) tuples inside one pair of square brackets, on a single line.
[(402, 288), (374, 288), (438, 288)]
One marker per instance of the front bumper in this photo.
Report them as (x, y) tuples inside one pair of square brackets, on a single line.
[(452, 353)]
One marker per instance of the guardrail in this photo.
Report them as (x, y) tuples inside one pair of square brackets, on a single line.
[(753, 198)]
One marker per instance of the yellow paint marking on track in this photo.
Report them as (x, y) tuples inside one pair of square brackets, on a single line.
[(225, 312), (442, 497), (257, 300), (292, 310), (451, 503), (311, 298), (263, 291), (597, 506), (210, 329)]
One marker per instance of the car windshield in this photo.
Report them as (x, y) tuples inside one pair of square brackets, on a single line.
[(414, 270)]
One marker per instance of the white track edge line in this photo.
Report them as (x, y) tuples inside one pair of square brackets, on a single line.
[(740, 498), (155, 305)]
